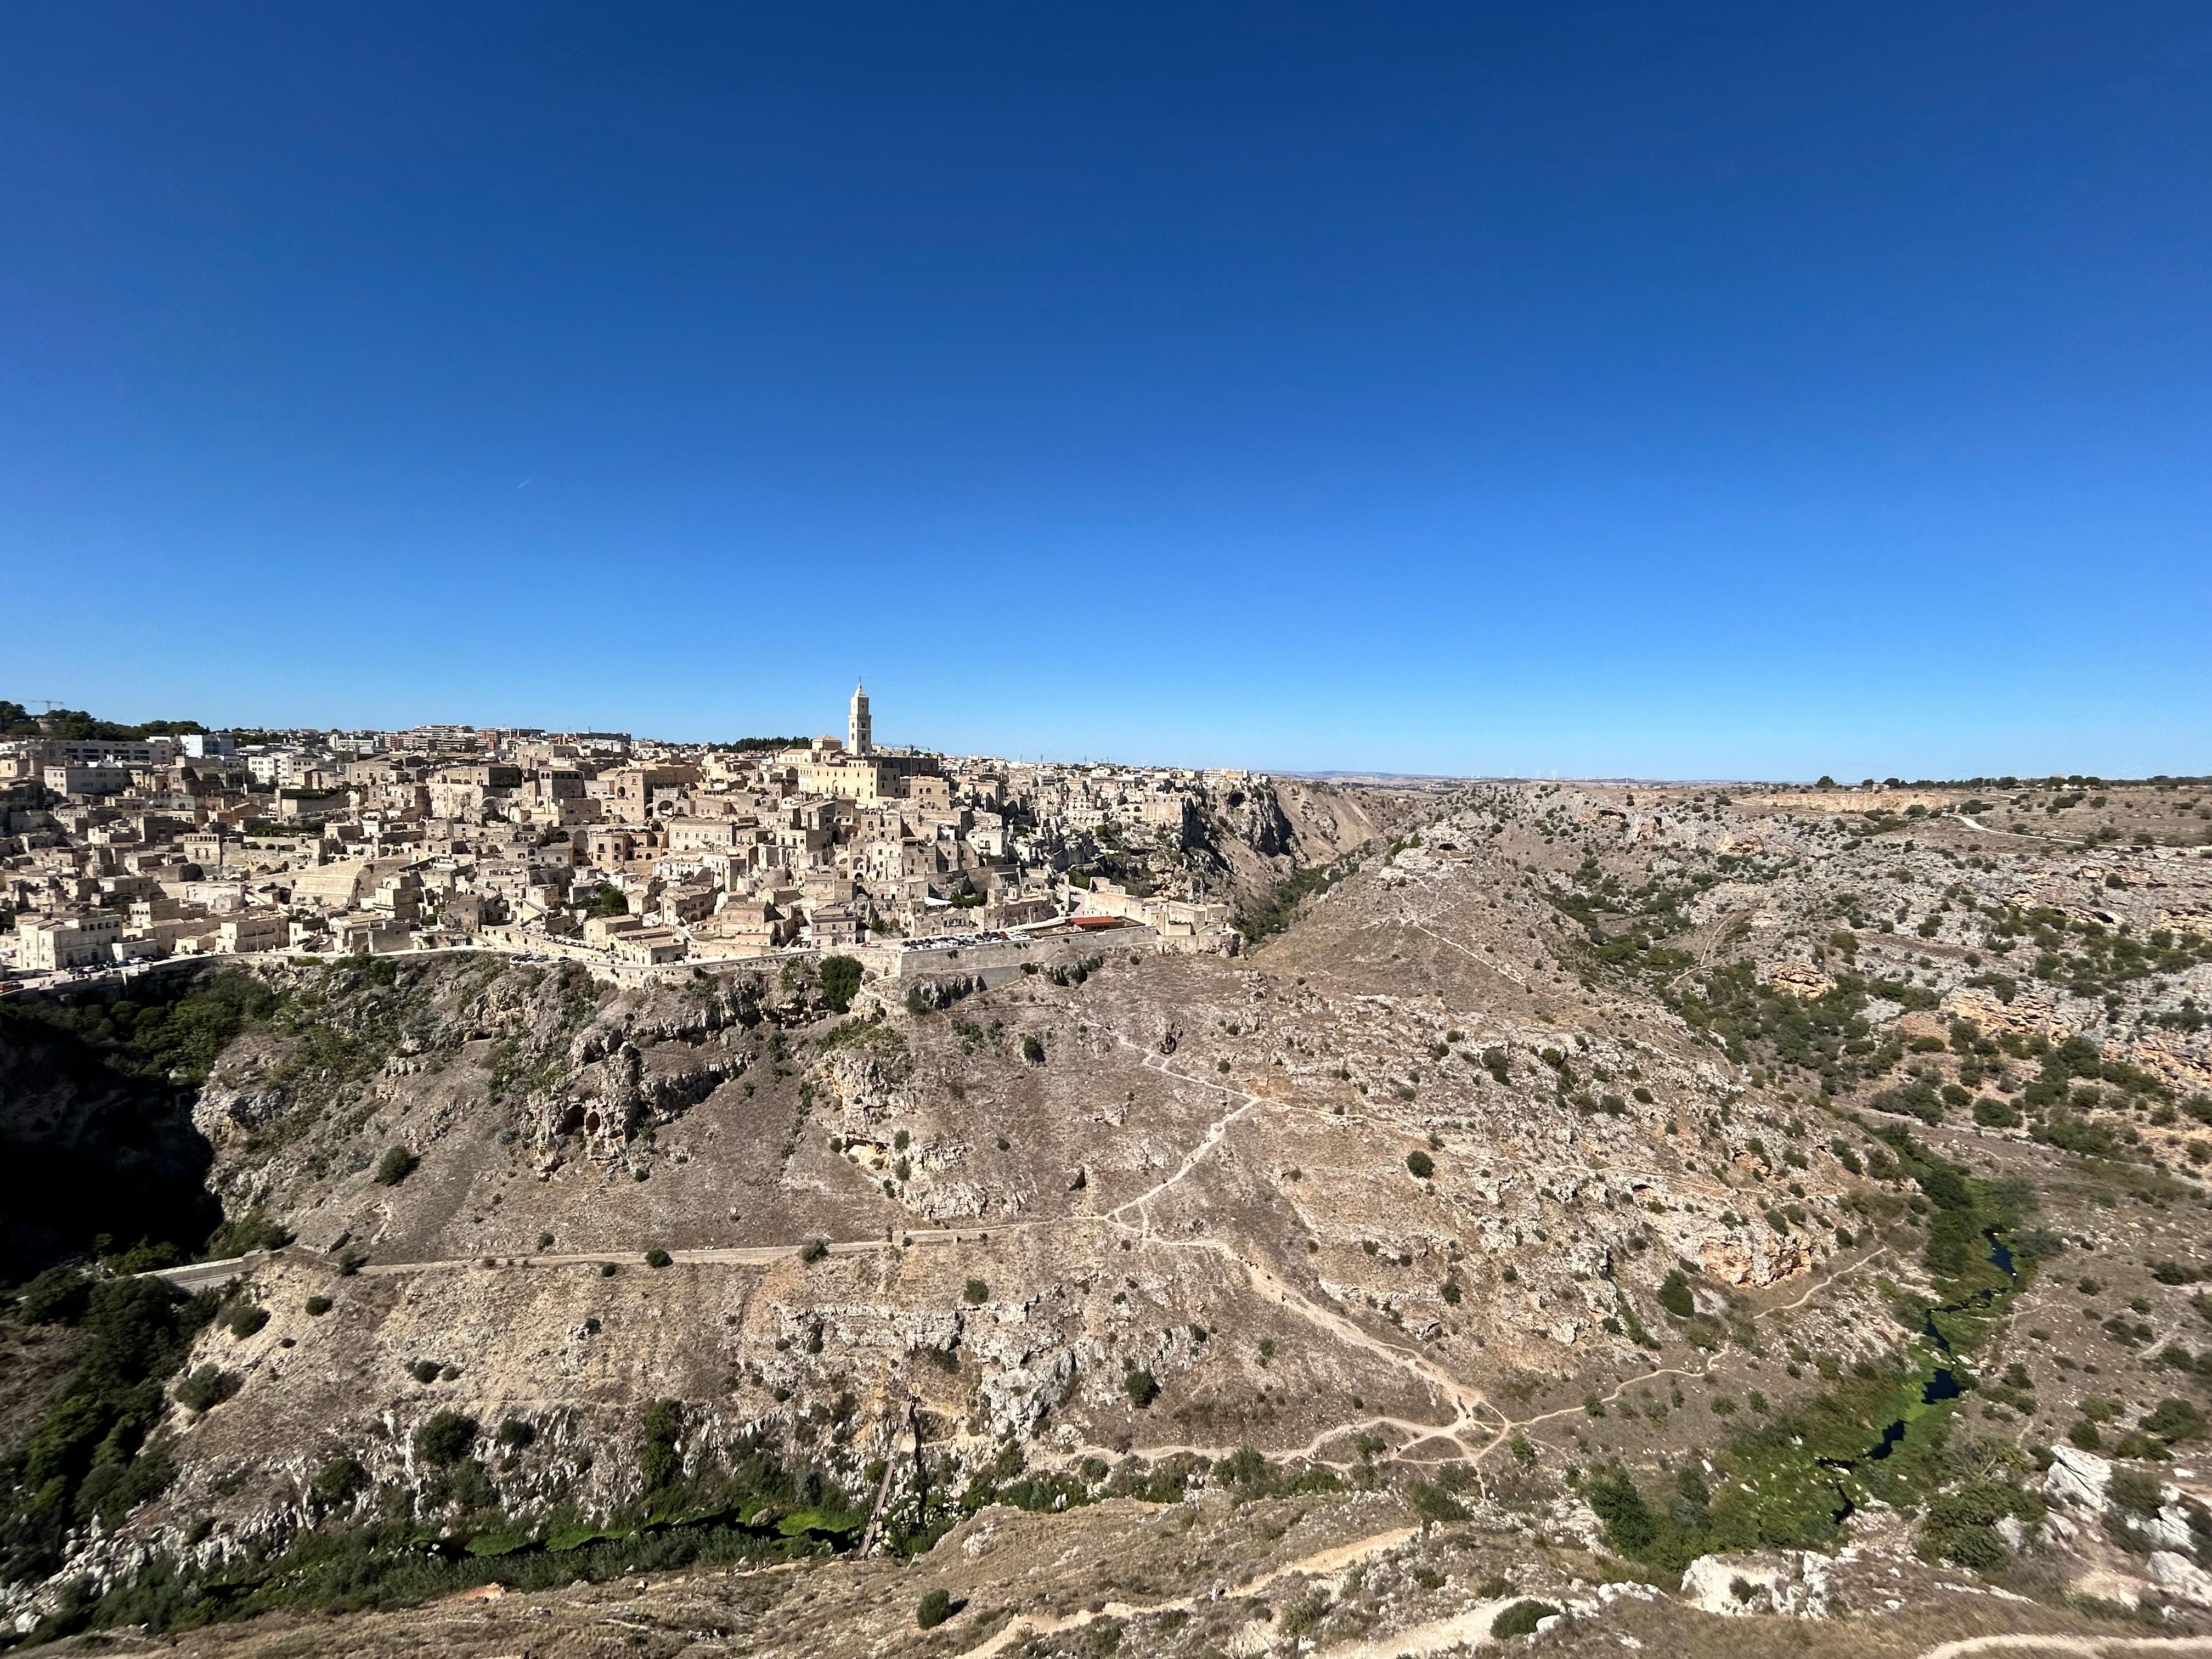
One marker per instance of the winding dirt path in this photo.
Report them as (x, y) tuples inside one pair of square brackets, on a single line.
[(1336, 1559), (1468, 1403), (2089, 1647)]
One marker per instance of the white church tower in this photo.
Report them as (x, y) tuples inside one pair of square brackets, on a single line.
[(859, 735)]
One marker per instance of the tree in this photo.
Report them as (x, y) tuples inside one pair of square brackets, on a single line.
[(1139, 1387), (841, 982), (1674, 1295), (1630, 1528)]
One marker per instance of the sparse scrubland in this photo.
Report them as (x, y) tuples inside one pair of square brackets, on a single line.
[(1739, 1219)]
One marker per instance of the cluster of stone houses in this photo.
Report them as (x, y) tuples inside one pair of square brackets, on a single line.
[(585, 844)]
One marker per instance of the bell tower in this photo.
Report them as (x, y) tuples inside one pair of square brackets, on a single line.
[(859, 734)]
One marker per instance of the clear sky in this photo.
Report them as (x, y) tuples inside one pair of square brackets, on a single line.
[(1683, 390)]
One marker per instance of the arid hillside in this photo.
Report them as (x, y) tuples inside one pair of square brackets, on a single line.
[(1704, 1211)]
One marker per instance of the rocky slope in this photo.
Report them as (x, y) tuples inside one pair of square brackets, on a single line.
[(1559, 1181)]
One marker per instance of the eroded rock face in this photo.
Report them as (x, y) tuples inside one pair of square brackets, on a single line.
[(1793, 1583), (2176, 1574), (868, 1077)]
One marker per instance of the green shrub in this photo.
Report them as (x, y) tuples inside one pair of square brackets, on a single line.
[(424, 1371), (207, 1388), (2135, 1492), (244, 1321), (841, 982), (1675, 1296), (252, 1232), (1433, 1503), (337, 1482), (813, 1250), (319, 1305), (1303, 1614), (657, 1460), (658, 1258), (471, 1488), (1032, 1051), (514, 1434), (1141, 1387), (1520, 1620), (1993, 1114), (446, 1438), (934, 1608), (56, 1297), (1420, 1165), (2174, 1420), (974, 1293), (395, 1166)]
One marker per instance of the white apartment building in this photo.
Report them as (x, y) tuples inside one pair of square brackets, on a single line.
[(49, 945)]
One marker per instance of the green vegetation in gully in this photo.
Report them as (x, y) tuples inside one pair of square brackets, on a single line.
[(94, 1452), (403, 1547), (1878, 1433), (399, 1546), (1271, 915)]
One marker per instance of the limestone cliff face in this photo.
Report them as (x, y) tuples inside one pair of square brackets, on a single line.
[(1250, 837)]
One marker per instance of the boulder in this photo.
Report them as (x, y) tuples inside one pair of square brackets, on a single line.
[(1793, 1583), (2178, 1575), (2076, 1478)]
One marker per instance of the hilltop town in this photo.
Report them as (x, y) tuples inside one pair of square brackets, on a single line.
[(620, 852)]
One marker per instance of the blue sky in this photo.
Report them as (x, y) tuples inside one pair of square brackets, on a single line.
[(1693, 391)]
